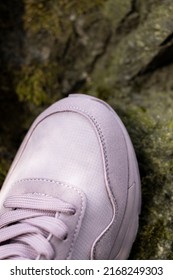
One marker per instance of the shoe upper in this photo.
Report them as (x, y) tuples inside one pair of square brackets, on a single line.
[(75, 156)]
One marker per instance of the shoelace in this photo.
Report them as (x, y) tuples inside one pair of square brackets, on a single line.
[(26, 230)]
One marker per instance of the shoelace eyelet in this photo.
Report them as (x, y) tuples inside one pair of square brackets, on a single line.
[(74, 213), (65, 237)]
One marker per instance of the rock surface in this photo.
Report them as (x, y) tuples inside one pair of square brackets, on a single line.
[(119, 51)]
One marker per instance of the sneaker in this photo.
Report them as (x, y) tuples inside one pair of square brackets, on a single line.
[(73, 190)]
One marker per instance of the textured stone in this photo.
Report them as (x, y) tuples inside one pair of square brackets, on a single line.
[(120, 51)]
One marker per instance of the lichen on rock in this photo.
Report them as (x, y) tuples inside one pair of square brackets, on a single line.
[(119, 51)]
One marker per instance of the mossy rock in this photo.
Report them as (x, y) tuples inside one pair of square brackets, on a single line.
[(119, 51)]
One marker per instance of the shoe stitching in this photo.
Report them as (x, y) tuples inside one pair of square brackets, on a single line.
[(70, 187), (102, 139)]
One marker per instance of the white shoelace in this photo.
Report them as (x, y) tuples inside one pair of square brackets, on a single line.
[(26, 229)]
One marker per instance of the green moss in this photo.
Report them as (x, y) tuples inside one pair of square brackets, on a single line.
[(31, 87), (116, 10), (159, 240), (55, 16), (49, 27), (147, 114), (137, 49), (68, 44), (36, 83), (42, 15), (152, 139)]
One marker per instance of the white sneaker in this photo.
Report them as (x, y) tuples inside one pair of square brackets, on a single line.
[(73, 190)]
